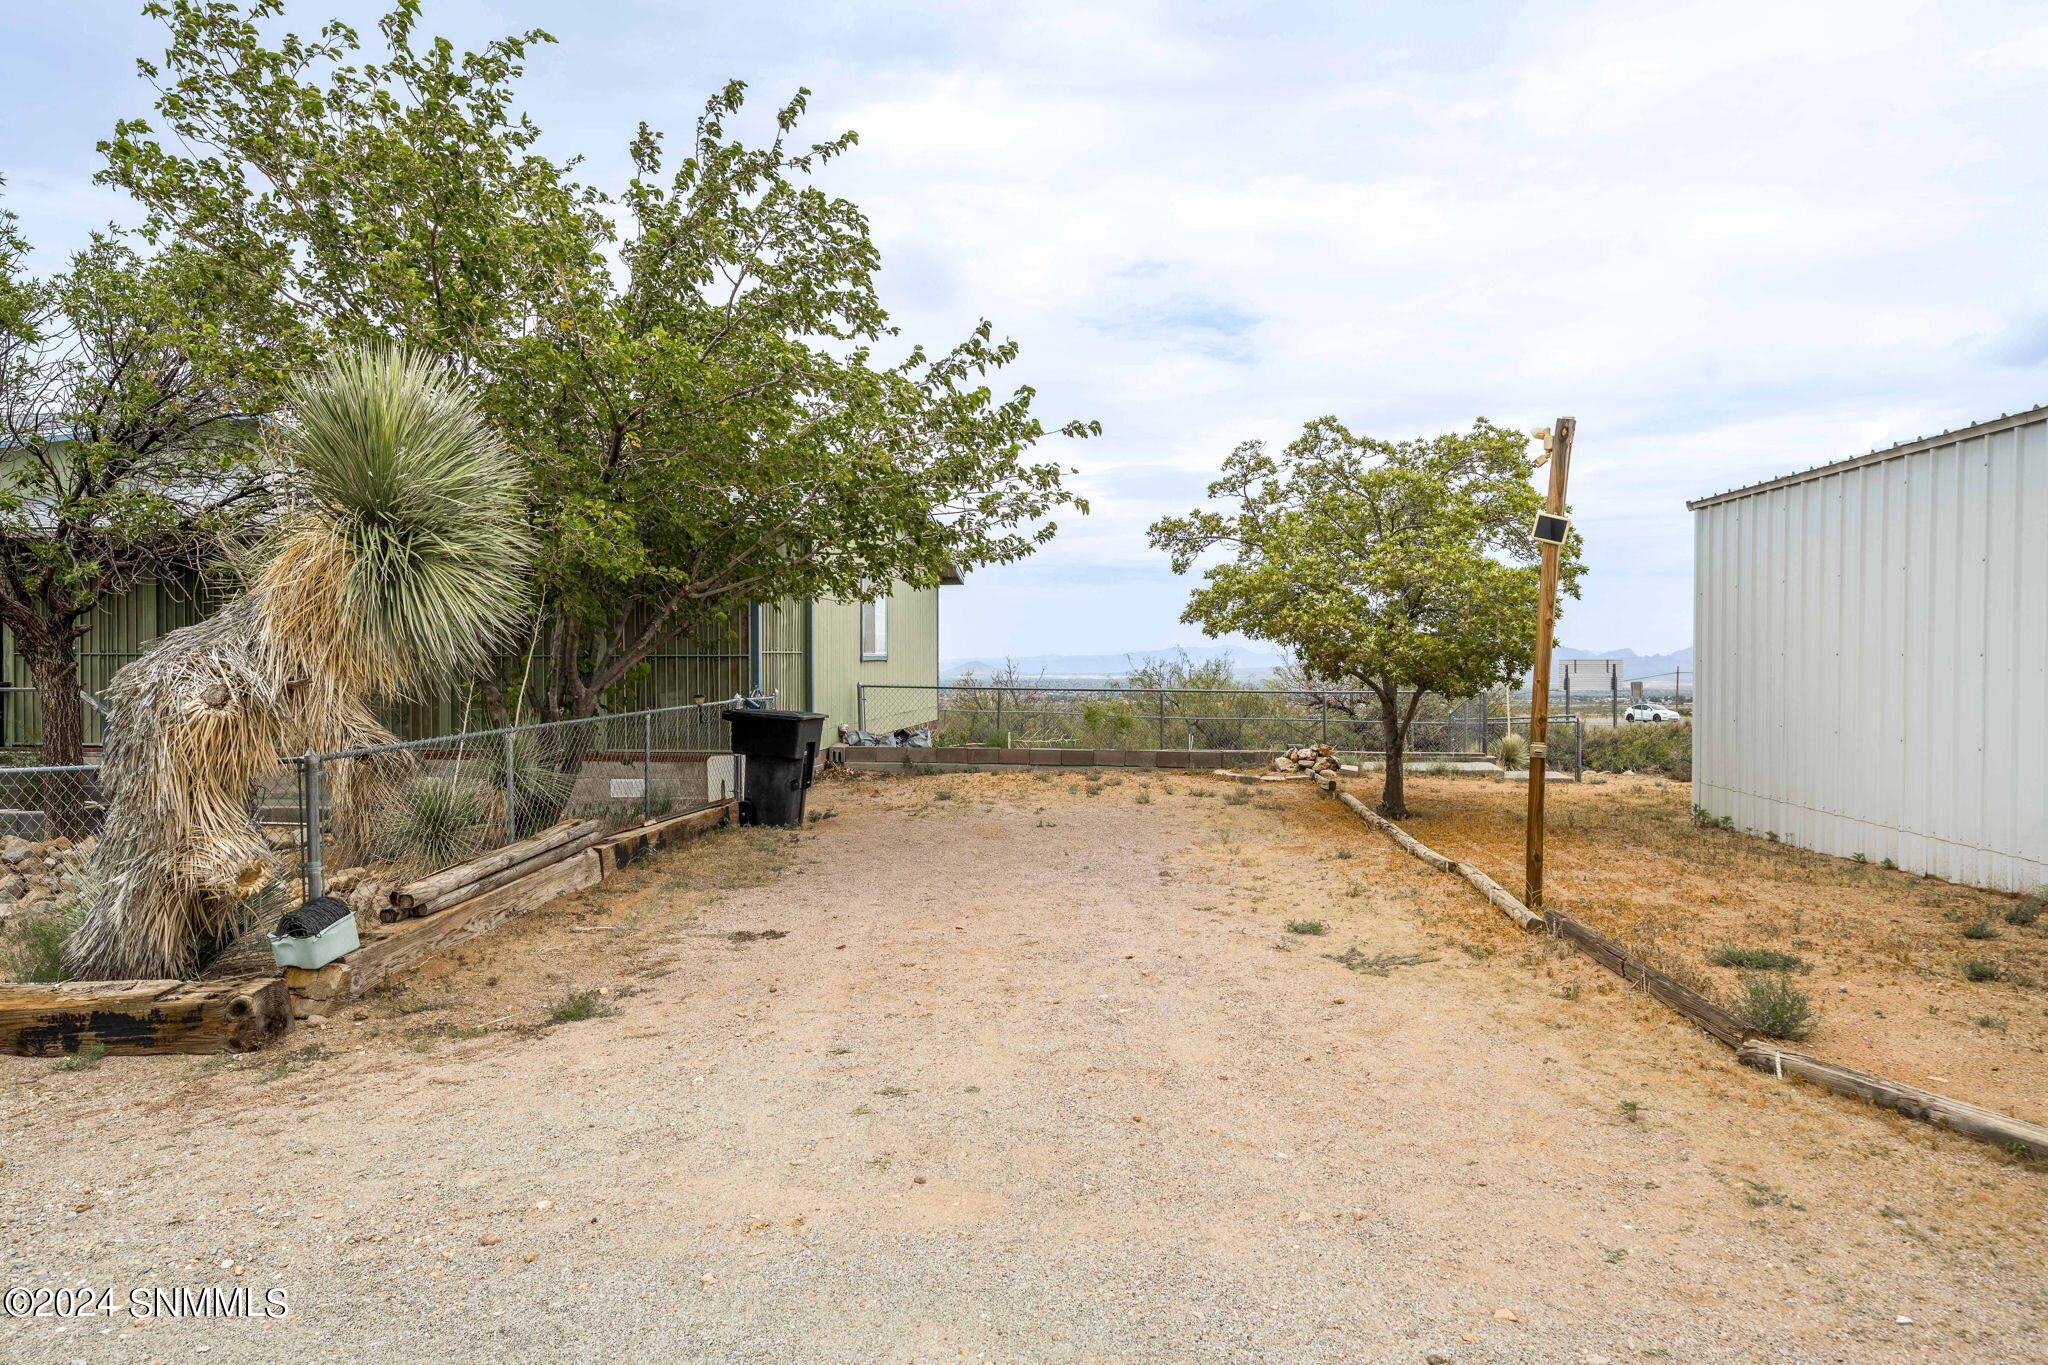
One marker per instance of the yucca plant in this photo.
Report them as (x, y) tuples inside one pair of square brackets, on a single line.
[(398, 560), (437, 822), (1512, 751), (544, 766)]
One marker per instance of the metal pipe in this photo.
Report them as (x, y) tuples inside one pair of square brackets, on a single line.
[(754, 615), (443, 741), (511, 792), (316, 872)]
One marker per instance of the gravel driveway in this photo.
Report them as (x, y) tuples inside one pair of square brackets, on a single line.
[(1022, 1073)]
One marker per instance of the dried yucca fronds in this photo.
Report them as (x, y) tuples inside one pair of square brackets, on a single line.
[(398, 563)]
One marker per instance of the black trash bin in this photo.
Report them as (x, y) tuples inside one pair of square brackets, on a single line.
[(781, 750)]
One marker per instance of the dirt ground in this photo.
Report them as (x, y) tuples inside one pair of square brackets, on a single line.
[(1885, 951), (1001, 1068)]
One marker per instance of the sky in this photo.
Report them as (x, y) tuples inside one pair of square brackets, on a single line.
[(1732, 239)]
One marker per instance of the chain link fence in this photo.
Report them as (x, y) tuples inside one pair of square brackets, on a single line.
[(426, 804), (411, 807), (1032, 716)]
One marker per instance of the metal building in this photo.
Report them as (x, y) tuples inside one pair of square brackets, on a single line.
[(1871, 638)]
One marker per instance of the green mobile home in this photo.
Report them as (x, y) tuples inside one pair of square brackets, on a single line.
[(813, 655)]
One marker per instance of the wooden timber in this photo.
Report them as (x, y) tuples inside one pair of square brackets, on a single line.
[(439, 884), (1483, 884), (623, 850), (1986, 1125), (506, 876), (1721, 1022), (391, 948), (143, 1016)]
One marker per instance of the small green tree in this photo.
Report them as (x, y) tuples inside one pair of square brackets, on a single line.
[(129, 386), (1402, 567)]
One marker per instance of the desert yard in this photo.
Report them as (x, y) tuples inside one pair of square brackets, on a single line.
[(1033, 1067), (1887, 957)]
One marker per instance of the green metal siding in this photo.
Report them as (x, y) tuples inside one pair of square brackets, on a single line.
[(783, 653), (120, 630), (838, 669), (810, 656)]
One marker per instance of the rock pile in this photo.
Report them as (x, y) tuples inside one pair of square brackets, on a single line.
[(363, 888), (1309, 758), (32, 872)]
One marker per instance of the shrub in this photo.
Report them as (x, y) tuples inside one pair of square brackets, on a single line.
[(1665, 749), (1758, 959), (1307, 926), (1512, 751), (37, 953), (1774, 1006), (1982, 929), (1980, 970), (2027, 911)]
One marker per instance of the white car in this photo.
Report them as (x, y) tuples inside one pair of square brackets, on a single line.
[(1649, 714)]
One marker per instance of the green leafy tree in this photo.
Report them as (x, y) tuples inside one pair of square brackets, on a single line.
[(129, 392), (687, 364), (1402, 567)]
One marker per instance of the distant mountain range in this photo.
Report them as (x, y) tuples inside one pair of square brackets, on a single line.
[(1251, 663), (1633, 665)]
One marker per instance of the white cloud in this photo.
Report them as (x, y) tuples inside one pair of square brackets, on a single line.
[(1732, 238)]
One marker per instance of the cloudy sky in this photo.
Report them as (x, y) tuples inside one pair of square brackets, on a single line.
[(1731, 238)]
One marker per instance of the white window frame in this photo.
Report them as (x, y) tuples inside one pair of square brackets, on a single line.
[(874, 630)]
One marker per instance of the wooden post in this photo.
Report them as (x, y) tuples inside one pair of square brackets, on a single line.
[(1560, 447)]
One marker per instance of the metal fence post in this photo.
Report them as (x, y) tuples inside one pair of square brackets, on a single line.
[(860, 707), (999, 736), (511, 792), (316, 872), (1579, 750), (647, 763), (1162, 718)]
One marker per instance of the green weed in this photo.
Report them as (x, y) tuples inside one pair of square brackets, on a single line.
[(85, 1059), (1758, 959)]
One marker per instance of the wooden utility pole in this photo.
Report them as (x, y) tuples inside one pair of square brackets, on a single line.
[(1559, 446)]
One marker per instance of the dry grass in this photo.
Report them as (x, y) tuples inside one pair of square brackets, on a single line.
[(1887, 947)]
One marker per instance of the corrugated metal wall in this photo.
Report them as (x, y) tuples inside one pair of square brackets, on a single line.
[(783, 650), (1872, 652), (837, 668), (120, 630)]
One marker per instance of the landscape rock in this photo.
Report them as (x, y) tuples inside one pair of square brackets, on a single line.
[(1309, 758)]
